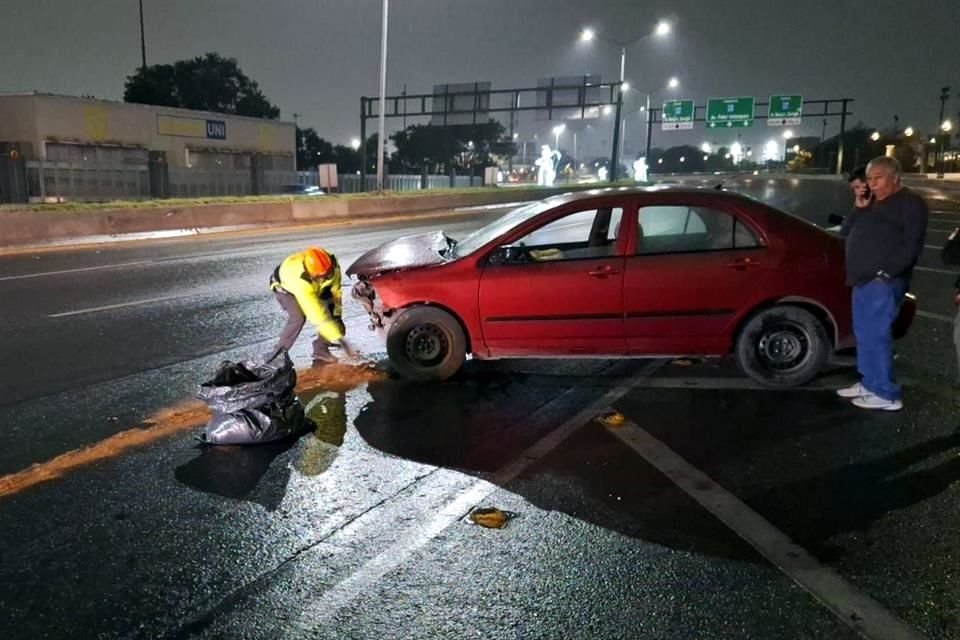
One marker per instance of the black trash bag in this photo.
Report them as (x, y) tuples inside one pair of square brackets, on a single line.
[(249, 384), (254, 402)]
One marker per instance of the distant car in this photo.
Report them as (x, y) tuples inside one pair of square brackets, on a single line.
[(636, 272), (301, 190)]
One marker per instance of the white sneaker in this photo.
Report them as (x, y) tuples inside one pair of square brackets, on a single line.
[(853, 391), (873, 401)]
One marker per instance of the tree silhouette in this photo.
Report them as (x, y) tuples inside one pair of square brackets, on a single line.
[(423, 147), (205, 83)]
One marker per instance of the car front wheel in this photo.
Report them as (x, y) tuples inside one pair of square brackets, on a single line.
[(426, 343), (783, 346)]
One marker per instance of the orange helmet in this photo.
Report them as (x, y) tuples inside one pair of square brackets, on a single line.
[(317, 262)]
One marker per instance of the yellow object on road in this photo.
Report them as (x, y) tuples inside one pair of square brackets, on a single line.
[(611, 419), (490, 517)]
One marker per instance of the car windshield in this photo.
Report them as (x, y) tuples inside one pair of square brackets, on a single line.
[(500, 226)]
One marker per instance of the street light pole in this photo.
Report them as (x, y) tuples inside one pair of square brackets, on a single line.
[(615, 156), (623, 125), (662, 28), (944, 96), (574, 152), (383, 97), (143, 42)]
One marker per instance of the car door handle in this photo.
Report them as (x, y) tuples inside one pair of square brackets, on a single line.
[(602, 272), (741, 264)]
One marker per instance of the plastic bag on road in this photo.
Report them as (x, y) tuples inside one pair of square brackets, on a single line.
[(253, 402), (249, 384)]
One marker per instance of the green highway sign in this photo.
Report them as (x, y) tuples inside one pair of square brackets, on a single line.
[(784, 110), (677, 114), (729, 112)]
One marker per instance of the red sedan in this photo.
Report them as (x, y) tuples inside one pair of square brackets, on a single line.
[(618, 272)]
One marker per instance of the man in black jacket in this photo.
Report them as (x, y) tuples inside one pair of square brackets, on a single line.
[(884, 238)]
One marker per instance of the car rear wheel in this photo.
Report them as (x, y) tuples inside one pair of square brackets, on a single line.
[(783, 346), (426, 343)]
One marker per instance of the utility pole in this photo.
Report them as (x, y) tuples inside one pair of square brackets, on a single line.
[(615, 155), (944, 96), (382, 105), (297, 140), (143, 42)]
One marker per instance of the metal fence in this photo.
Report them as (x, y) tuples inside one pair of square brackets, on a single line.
[(350, 183), (194, 183), (95, 182), (87, 182)]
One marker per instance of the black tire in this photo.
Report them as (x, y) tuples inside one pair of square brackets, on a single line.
[(426, 343), (783, 346)]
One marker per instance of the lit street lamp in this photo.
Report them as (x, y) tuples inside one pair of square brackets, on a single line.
[(557, 130), (672, 83), (908, 131), (946, 126), (875, 136), (355, 143), (662, 29)]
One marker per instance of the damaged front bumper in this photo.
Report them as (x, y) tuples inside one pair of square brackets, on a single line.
[(364, 293)]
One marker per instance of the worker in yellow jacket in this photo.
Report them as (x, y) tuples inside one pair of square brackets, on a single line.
[(307, 286)]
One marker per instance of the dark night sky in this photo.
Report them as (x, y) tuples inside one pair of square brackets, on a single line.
[(318, 57)]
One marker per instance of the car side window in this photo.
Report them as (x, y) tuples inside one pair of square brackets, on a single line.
[(591, 233), (684, 229)]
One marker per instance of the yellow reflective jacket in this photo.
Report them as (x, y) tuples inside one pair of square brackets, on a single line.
[(319, 298)]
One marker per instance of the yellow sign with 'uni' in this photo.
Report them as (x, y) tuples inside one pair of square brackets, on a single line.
[(184, 127)]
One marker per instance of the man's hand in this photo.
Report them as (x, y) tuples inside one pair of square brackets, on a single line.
[(862, 199)]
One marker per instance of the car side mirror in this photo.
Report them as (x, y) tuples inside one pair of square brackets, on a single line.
[(835, 219), (505, 255)]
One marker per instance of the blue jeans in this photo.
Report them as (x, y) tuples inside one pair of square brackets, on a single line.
[(875, 307)]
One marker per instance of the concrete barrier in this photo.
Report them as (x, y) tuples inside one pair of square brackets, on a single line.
[(26, 228)]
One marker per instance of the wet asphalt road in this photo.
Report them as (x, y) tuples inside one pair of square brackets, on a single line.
[(356, 530)]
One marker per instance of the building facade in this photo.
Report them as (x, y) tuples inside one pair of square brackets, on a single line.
[(81, 148)]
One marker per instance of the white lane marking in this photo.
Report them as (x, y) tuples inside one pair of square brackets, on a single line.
[(120, 305), (935, 316), (929, 230), (932, 270), (855, 608), (943, 220), (932, 246), (77, 270), (319, 609)]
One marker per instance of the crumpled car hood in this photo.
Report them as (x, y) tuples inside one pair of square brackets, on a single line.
[(402, 253)]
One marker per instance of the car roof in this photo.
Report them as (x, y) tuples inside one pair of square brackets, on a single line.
[(574, 196)]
